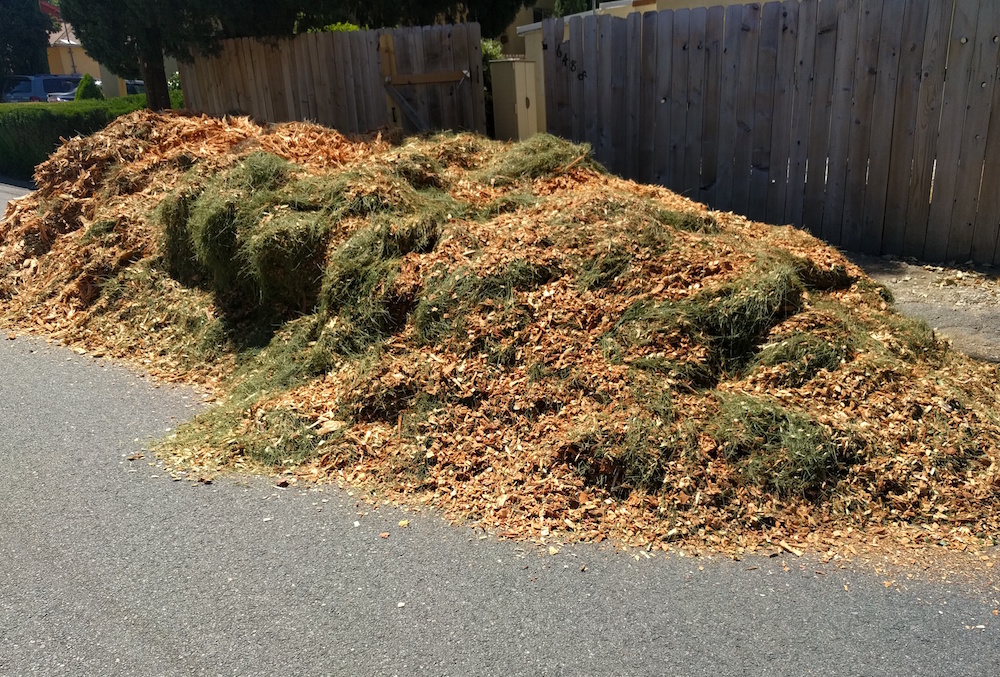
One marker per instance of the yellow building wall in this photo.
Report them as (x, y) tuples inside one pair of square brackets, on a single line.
[(64, 60)]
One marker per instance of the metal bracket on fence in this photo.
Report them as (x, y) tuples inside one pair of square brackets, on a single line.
[(408, 110)]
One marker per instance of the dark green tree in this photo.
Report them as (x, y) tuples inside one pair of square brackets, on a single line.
[(568, 7), (24, 36), (493, 16), (131, 37)]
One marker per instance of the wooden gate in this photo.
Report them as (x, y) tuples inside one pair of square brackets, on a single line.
[(418, 78)]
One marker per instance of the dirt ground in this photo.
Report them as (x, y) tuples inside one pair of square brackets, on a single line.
[(961, 303)]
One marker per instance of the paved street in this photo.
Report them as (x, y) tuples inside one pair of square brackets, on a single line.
[(9, 191)]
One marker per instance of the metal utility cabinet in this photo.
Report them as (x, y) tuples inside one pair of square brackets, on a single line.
[(514, 99)]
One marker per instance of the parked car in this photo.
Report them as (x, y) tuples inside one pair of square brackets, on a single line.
[(67, 96), (21, 88), (135, 87)]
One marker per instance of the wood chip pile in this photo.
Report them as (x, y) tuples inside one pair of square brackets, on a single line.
[(508, 334)]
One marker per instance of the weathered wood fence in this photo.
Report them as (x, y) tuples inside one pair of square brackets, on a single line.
[(873, 123), (417, 78)]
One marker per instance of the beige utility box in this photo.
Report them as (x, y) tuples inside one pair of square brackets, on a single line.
[(514, 105)]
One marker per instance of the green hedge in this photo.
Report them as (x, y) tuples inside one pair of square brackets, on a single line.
[(29, 132)]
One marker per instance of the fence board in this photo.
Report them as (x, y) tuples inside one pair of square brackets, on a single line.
[(840, 120), (903, 127), (781, 118), (354, 49), (577, 113), (866, 76), (476, 75), (727, 107), (664, 71), (953, 113), (763, 117), (936, 41), (648, 100), (592, 50), (633, 92), (822, 113), (693, 137), (679, 88), (884, 111), (714, 37), (968, 179), (805, 56), (745, 110), (984, 241)]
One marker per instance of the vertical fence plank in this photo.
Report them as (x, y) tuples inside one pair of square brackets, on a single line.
[(377, 108), (727, 107), (307, 105), (984, 240), (903, 127), (287, 57), (476, 78), (355, 46), (953, 113), (563, 114), (462, 91), (334, 98), (648, 102), (884, 114), (402, 49), (968, 175), (679, 87), (452, 110), (549, 60), (866, 75), (576, 85), (278, 82), (229, 58), (746, 94), (612, 120), (694, 132), (802, 93), (763, 117), (664, 56), (714, 36), (260, 62), (321, 82), (633, 91), (781, 119), (822, 110), (591, 80), (840, 119), (434, 61)]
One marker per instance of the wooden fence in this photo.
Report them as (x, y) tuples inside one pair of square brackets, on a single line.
[(873, 123), (417, 78)]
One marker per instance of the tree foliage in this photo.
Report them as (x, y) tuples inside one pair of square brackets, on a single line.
[(568, 7), (24, 37)]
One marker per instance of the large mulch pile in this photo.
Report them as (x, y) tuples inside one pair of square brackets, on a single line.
[(505, 333)]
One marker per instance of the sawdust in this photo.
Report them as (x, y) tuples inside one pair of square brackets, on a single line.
[(554, 354)]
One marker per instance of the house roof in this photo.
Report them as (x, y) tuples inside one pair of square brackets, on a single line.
[(64, 37)]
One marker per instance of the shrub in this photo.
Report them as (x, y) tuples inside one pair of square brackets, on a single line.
[(88, 89), (30, 132)]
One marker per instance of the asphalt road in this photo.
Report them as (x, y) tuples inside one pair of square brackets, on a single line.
[(109, 567), (9, 191)]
